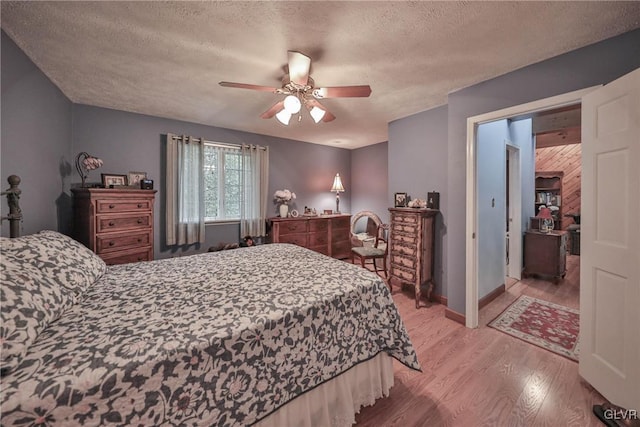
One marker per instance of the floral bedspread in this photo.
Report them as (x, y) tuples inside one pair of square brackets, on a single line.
[(220, 338)]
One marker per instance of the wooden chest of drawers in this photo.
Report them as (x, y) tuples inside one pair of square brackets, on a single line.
[(411, 248), (117, 224), (545, 254), (328, 235)]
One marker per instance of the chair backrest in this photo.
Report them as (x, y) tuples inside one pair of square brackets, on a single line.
[(382, 235), (370, 230), (371, 217)]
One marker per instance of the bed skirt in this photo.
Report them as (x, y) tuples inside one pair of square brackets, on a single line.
[(336, 402)]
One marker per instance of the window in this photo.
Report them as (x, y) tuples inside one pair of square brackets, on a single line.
[(223, 181)]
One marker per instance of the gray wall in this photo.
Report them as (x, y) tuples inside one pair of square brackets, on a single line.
[(135, 142), (521, 135), (369, 180), (35, 142), (417, 165), (599, 63), (491, 200)]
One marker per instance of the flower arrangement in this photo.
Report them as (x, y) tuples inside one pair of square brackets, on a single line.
[(284, 196)]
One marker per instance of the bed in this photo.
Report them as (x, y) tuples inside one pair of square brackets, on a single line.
[(270, 335)]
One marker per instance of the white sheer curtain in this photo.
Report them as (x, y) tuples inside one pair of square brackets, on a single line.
[(185, 190), (255, 185)]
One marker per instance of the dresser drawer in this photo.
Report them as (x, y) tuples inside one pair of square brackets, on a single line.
[(318, 239), (341, 223), (407, 228), (299, 239), (405, 250), (116, 242), (318, 225), (123, 257), (292, 227), (117, 223), (123, 205), (406, 239), (404, 275), (341, 249), (403, 261), (323, 249), (406, 218)]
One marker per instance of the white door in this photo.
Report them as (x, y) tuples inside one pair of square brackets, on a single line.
[(610, 248)]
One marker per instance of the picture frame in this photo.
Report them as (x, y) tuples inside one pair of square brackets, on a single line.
[(110, 180), (400, 200), (135, 178)]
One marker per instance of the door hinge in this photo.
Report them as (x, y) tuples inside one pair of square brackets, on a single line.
[(473, 235)]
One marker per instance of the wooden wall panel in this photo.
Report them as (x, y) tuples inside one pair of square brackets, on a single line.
[(566, 158)]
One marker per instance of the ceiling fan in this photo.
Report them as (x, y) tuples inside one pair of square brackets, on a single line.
[(300, 90)]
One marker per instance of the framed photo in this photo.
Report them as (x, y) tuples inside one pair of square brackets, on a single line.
[(400, 200), (135, 178), (116, 180)]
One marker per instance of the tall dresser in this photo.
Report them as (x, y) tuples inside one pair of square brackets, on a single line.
[(117, 224), (327, 234), (411, 248)]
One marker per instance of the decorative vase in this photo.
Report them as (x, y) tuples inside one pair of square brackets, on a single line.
[(284, 210)]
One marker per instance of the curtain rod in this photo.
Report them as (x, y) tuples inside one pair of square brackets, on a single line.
[(219, 144)]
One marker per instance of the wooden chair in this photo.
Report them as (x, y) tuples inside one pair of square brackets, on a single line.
[(379, 250)]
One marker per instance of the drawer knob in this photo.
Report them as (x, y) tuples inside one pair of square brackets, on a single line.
[(111, 223), (139, 205), (139, 240), (140, 221), (112, 206), (139, 258), (111, 243)]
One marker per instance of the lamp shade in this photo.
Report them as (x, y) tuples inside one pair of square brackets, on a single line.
[(292, 104), (545, 213), (283, 117), (337, 184), (317, 114)]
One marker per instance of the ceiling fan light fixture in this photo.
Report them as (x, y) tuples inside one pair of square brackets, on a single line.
[(317, 114), (284, 116), (292, 104)]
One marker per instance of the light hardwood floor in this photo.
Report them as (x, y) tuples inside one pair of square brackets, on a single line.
[(483, 377)]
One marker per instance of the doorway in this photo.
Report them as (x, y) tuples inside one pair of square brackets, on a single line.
[(513, 196), (472, 227)]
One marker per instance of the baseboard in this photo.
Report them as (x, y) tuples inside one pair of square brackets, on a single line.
[(491, 296), (440, 299), (455, 316)]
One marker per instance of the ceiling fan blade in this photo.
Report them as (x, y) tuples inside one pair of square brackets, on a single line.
[(327, 114), (342, 92), (299, 65), (275, 109), (249, 86)]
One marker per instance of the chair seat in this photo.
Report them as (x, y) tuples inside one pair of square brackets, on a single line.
[(367, 251)]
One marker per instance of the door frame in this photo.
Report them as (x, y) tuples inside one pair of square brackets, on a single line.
[(514, 176), (471, 253)]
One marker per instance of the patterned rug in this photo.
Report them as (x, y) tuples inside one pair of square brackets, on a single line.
[(542, 323)]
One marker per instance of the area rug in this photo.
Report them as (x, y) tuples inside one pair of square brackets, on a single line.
[(547, 325)]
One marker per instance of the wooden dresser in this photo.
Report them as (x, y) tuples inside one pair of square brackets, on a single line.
[(411, 248), (117, 224), (329, 235), (545, 254)]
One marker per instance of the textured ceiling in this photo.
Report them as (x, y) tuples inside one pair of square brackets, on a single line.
[(166, 58)]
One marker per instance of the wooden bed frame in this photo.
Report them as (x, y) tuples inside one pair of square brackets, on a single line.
[(13, 199)]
